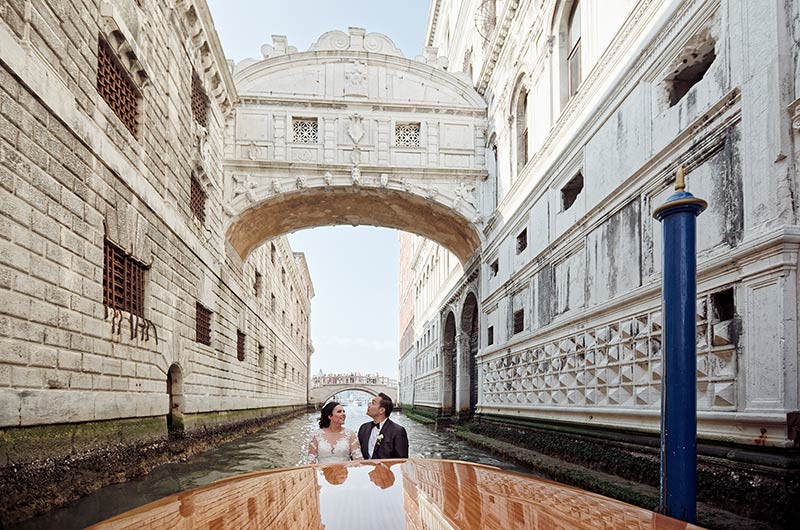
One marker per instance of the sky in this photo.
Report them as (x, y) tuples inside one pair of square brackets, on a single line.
[(355, 313)]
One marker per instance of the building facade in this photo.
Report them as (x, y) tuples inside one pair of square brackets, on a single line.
[(125, 313), (592, 107)]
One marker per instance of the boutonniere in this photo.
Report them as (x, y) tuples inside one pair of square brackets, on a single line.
[(378, 440)]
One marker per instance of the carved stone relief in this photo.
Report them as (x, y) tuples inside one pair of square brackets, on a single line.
[(465, 193), (356, 79), (244, 185), (355, 130)]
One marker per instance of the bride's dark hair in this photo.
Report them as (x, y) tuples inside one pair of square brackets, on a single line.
[(325, 415)]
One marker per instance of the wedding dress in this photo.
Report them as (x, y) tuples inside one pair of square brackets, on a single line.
[(333, 447)]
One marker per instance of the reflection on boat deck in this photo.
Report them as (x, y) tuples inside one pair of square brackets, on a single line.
[(390, 494)]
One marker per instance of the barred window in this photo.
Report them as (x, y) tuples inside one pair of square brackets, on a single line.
[(407, 134), (261, 359), (202, 324), (199, 101), (305, 131), (123, 281), (197, 200), (116, 88), (240, 345)]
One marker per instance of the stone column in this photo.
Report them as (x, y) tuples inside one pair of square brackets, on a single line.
[(462, 373)]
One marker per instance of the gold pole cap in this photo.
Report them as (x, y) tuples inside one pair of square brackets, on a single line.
[(680, 180)]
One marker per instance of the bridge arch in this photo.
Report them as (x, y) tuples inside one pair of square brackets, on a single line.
[(324, 387), (368, 390), (348, 205), (352, 132)]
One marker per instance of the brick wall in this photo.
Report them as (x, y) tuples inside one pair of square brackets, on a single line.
[(71, 174)]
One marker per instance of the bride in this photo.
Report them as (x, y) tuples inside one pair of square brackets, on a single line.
[(332, 442)]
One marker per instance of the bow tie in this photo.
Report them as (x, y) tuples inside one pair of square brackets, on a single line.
[(374, 425)]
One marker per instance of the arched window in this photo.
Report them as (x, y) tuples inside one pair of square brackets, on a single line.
[(574, 48), (521, 128)]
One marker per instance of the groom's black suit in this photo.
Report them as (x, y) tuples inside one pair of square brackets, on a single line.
[(393, 445)]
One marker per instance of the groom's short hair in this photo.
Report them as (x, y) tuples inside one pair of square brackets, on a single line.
[(386, 403)]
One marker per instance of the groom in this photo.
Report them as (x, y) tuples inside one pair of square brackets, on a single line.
[(381, 437)]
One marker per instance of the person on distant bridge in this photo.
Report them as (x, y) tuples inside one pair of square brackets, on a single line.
[(332, 442), (381, 437)]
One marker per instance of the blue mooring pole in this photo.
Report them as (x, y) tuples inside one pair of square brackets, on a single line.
[(678, 217)]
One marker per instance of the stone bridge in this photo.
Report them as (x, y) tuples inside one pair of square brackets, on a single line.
[(352, 132), (325, 387)]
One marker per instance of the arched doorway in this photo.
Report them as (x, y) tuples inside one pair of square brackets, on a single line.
[(469, 326), (175, 392), (449, 364)]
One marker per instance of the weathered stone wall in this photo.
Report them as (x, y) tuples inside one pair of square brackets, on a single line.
[(587, 278), (74, 175)]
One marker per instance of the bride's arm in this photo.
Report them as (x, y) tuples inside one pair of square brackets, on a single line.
[(355, 447), (313, 450)]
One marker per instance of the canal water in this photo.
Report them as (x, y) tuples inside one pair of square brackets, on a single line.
[(279, 446)]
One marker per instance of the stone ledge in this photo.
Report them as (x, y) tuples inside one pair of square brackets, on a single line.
[(613, 486), (24, 444), (32, 488), (760, 484)]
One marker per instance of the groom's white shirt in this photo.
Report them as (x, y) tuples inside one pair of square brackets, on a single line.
[(373, 437)]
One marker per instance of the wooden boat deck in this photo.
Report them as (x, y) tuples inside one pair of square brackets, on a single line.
[(414, 494)]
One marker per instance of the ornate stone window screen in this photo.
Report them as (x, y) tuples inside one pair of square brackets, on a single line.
[(199, 102), (618, 364), (407, 135), (116, 88), (202, 324), (197, 200), (305, 131), (123, 281)]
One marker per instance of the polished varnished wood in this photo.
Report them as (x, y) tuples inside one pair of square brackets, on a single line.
[(390, 494)]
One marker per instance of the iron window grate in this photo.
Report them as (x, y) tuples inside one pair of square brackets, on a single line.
[(123, 281), (203, 325), (116, 88), (197, 201), (199, 102), (240, 345)]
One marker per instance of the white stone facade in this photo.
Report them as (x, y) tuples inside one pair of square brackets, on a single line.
[(74, 176), (589, 125)]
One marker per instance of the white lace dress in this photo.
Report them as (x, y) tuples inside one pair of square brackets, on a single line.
[(327, 447)]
